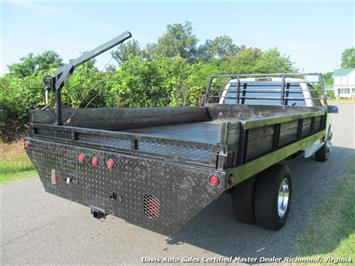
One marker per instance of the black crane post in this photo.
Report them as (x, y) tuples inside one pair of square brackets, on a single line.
[(57, 82)]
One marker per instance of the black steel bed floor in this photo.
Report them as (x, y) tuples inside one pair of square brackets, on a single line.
[(202, 132)]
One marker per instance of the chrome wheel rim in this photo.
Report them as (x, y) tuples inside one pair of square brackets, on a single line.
[(283, 198)]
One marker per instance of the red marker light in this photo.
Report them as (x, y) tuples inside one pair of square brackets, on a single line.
[(94, 161), (109, 164), (81, 158), (214, 180), (26, 144)]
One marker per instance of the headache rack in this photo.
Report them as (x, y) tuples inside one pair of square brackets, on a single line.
[(263, 88)]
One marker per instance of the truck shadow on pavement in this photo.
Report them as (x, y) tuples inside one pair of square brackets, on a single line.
[(216, 229)]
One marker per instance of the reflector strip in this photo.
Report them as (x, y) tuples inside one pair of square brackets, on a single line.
[(151, 206)]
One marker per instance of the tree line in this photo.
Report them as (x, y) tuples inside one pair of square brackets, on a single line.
[(171, 72)]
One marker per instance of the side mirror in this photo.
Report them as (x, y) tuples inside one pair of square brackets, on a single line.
[(332, 109)]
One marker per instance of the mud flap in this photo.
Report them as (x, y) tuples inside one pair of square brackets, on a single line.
[(155, 194)]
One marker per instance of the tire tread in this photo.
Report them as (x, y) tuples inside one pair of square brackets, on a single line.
[(243, 201), (266, 191)]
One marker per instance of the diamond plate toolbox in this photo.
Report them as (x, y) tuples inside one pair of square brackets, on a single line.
[(157, 194)]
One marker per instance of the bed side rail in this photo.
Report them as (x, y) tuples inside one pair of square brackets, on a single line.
[(258, 138)]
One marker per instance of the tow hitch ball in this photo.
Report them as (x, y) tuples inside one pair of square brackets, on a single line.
[(98, 213)]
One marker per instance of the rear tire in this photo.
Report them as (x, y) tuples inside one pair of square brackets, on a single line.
[(243, 201), (322, 154), (273, 197)]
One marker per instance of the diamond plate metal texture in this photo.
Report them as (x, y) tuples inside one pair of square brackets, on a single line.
[(123, 143), (188, 151), (155, 194)]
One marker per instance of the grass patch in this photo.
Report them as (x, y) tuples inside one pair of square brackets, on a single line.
[(14, 163), (341, 101), (331, 230)]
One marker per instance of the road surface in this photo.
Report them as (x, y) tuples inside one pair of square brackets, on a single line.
[(40, 228)]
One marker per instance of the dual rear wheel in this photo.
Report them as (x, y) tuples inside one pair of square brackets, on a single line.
[(264, 199)]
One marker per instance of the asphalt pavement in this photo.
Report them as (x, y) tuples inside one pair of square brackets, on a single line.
[(40, 228)]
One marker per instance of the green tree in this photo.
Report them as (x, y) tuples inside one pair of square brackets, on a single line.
[(348, 58), (17, 97), (244, 62), (127, 50), (198, 79), (137, 83), (328, 78), (85, 88), (254, 60), (172, 72), (34, 64), (218, 48), (271, 61), (177, 41), (328, 81)]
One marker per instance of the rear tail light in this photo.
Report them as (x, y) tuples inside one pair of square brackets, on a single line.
[(94, 161), (26, 144), (214, 180), (109, 164), (81, 158)]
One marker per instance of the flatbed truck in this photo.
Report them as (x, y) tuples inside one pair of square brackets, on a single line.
[(158, 167)]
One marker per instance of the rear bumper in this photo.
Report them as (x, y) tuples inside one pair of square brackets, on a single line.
[(155, 194)]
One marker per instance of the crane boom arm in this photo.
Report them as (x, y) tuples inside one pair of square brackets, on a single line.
[(55, 83), (100, 49)]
